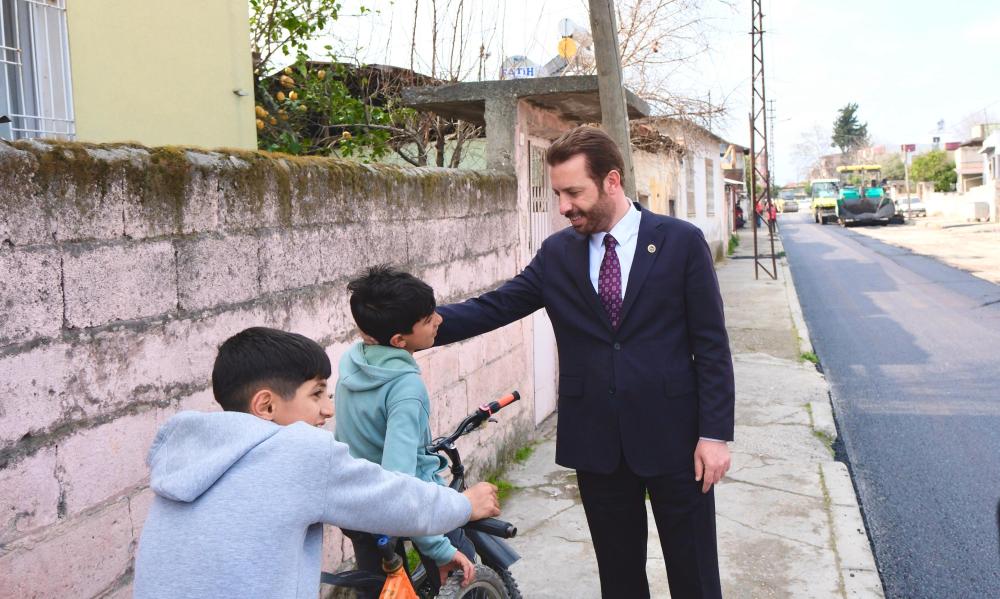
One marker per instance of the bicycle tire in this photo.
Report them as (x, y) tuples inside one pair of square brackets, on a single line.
[(487, 585), (509, 584)]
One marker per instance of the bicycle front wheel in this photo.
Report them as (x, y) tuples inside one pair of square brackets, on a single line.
[(487, 585)]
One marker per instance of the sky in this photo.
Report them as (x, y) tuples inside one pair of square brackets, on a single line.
[(908, 64)]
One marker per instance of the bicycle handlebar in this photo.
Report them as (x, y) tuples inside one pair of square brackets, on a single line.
[(474, 421), (501, 403), (494, 527)]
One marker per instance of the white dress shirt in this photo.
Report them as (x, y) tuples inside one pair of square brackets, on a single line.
[(626, 233)]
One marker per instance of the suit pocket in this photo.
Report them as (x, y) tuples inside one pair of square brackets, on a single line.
[(570, 386)]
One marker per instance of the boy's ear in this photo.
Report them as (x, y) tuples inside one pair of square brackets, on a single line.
[(262, 404), (398, 340)]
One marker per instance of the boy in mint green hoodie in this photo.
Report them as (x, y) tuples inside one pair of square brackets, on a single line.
[(382, 406)]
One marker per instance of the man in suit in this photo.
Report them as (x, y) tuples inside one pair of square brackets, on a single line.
[(646, 387)]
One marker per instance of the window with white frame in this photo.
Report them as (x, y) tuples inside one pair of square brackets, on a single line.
[(35, 90)]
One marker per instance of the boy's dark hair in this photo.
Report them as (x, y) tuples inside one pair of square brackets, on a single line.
[(386, 301), (599, 150), (258, 358)]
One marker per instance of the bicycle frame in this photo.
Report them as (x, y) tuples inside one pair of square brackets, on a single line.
[(487, 534)]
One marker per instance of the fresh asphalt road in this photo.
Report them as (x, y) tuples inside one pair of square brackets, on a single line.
[(911, 348)]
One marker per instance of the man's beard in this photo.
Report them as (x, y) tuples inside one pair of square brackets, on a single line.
[(598, 218)]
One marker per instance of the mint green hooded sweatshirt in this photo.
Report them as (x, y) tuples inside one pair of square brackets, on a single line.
[(383, 415)]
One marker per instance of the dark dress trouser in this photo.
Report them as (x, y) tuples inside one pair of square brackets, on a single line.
[(685, 519)]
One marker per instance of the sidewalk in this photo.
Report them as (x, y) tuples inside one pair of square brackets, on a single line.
[(788, 519)]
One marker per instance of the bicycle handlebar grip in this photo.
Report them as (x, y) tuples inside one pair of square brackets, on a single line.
[(494, 527), (488, 409), (508, 399)]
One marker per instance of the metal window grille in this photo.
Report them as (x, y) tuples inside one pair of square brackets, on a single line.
[(35, 89), (541, 196)]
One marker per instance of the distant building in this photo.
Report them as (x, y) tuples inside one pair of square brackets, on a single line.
[(686, 171), (991, 168), (969, 164), (146, 71)]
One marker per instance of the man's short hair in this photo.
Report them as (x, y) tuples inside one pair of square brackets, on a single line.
[(386, 301), (259, 358), (600, 151)]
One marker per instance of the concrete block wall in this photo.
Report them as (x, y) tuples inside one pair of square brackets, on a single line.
[(123, 268)]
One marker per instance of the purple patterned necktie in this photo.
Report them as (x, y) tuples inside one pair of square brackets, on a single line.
[(609, 284)]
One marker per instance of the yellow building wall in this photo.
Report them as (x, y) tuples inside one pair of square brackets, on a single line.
[(656, 180), (161, 72)]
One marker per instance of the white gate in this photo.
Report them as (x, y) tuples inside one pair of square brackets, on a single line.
[(541, 200)]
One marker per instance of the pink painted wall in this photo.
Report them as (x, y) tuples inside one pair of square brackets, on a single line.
[(123, 268)]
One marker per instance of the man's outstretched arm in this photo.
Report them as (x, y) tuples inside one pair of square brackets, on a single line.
[(512, 301)]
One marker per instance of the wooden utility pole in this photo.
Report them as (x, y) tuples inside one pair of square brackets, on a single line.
[(614, 110)]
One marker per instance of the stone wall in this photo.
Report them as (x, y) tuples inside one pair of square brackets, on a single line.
[(121, 270)]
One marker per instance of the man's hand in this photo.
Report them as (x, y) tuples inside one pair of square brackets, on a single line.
[(459, 562), (484, 500), (711, 462)]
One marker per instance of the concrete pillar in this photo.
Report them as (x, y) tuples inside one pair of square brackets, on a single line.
[(501, 132)]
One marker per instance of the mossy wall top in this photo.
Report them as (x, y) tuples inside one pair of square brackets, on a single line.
[(57, 191)]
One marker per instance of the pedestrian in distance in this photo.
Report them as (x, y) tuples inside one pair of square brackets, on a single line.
[(646, 388)]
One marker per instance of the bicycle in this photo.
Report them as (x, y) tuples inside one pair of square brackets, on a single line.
[(493, 579)]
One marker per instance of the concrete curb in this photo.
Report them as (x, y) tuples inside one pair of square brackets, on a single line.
[(805, 344), (822, 419), (850, 539)]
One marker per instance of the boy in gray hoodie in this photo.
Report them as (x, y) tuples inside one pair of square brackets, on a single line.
[(383, 410), (242, 495)]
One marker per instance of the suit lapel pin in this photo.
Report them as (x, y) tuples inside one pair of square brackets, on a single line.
[(651, 248)]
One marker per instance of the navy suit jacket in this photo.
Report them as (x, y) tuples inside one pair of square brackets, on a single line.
[(649, 389)]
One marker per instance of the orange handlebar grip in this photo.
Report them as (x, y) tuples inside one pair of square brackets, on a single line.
[(508, 399)]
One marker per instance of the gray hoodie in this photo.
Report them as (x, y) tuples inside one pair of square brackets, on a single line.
[(240, 503)]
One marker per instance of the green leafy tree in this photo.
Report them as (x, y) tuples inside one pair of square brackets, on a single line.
[(935, 167), (331, 108), (303, 110), (309, 110), (848, 133), (287, 26)]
